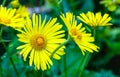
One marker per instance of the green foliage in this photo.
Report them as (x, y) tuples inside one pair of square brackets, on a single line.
[(101, 63)]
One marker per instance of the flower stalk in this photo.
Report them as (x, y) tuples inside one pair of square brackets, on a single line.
[(86, 58), (3, 3), (84, 63)]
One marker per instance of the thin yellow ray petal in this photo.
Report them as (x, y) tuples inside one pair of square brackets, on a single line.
[(67, 20), (54, 41), (31, 57), (89, 15), (43, 65), (106, 21), (61, 32), (74, 22), (39, 59), (25, 54), (84, 17), (48, 58), (82, 29), (22, 46), (52, 30), (40, 20), (50, 23), (35, 59), (36, 24), (11, 12), (103, 18), (33, 19), (24, 50), (60, 52), (55, 36), (108, 24), (98, 17), (79, 26), (42, 25), (23, 40)]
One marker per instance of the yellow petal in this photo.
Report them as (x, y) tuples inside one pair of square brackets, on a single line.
[(31, 57)]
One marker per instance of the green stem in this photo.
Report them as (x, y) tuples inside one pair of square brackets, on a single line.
[(11, 60), (94, 32), (13, 64), (65, 65), (63, 44), (1, 31), (84, 63), (42, 74), (3, 3), (86, 59)]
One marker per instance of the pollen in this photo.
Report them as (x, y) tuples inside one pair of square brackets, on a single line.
[(38, 42)]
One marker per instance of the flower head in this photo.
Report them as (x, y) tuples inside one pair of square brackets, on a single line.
[(40, 40), (78, 34), (95, 20), (111, 5), (8, 17), (23, 11), (15, 3)]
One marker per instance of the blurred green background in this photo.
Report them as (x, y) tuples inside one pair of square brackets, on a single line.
[(105, 63)]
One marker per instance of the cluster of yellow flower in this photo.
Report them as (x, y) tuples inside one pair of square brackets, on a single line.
[(112, 5), (14, 17), (44, 40), (21, 10)]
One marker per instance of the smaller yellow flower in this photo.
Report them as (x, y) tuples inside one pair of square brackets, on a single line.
[(15, 3), (78, 34), (23, 11), (95, 20), (8, 17), (112, 5)]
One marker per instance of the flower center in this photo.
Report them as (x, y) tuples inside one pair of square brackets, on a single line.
[(74, 31), (75, 34), (4, 20), (79, 36), (38, 42)]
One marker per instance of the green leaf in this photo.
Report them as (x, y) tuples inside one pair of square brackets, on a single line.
[(11, 48)]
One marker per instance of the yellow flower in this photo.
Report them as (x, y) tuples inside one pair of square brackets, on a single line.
[(40, 40), (15, 3), (23, 11), (112, 5), (8, 17), (95, 20), (78, 34)]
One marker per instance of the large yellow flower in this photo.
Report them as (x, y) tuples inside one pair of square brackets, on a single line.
[(8, 17), (78, 34), (40, 40), (95, 19)]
